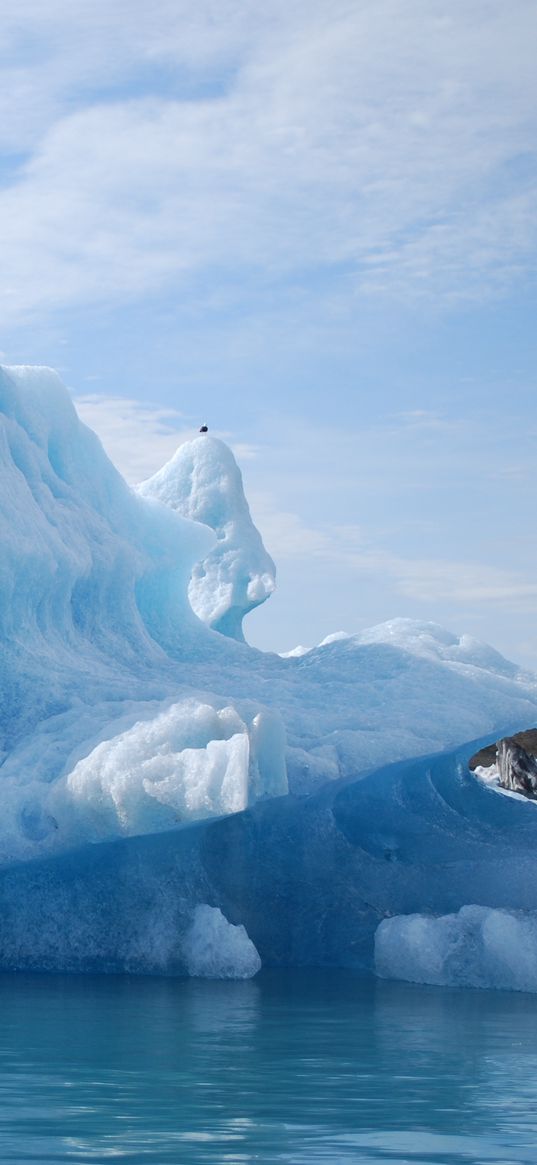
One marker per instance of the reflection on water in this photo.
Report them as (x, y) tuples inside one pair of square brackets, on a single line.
[(298, 1067)]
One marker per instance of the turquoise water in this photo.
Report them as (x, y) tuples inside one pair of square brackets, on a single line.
[(298, 1067)]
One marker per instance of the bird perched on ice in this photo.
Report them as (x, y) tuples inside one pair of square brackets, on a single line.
[(204, 429)]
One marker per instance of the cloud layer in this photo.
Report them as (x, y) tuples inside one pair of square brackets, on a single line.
[(390, 146)]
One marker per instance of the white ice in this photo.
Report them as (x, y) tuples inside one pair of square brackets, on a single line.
[(203, 482), (121, 712), (477, 947), (213, 948)]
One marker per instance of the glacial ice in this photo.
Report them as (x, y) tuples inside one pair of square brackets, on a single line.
[(215, 949), (203, 482), (477, 947), (313, 806), (310, 878)]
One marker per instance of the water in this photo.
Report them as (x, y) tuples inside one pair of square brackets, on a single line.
[(296, 1067)]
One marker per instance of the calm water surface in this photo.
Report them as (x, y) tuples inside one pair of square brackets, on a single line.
[(290, 1067)]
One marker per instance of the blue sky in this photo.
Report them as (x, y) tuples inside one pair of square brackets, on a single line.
[(312, 225)]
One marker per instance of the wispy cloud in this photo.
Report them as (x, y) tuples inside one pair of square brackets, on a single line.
[(458, 583), (353, 550), (389, 145), (139, 437)]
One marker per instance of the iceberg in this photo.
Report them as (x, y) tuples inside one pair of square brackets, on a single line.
[(153, 763)]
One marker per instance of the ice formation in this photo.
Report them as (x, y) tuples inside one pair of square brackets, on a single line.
[(310, 879), (477, 947), (101, 732), (215, 949), (203, 482), (125, 718)]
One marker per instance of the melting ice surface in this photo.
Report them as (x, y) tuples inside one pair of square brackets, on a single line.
[(131, 708)]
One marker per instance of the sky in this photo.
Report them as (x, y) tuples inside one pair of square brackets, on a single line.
[(312, 225)]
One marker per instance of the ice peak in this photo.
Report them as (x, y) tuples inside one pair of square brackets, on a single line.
[(202, 481)]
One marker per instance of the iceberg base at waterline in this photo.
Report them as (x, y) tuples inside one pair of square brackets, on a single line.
[(476, 947), (310, 879)]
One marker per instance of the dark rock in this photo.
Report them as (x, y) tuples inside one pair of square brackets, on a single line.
[(487, 756), (517, 768)]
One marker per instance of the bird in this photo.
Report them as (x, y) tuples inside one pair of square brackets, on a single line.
[(204, 429)]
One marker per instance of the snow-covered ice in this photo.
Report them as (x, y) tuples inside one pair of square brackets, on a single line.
[(124, 717)]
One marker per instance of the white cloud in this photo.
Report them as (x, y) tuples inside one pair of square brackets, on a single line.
[(461, 583), (353, 550), (139, 438), (356, 551), (287, 534), (380, 139)]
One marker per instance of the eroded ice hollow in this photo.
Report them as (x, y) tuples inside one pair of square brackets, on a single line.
[(124, 716)]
